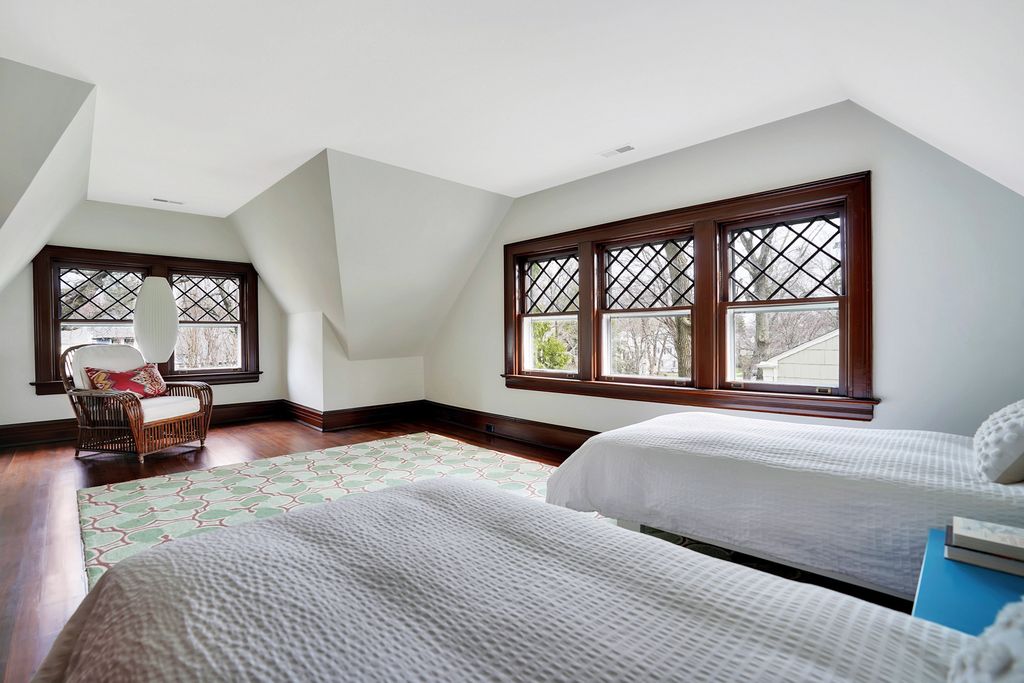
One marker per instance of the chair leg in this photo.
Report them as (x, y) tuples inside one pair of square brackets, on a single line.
[(78, 453), (142, 458)]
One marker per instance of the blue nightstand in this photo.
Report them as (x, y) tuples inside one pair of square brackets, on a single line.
[(959, 595)]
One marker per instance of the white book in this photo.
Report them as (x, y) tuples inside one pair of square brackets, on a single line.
[(989, 537)]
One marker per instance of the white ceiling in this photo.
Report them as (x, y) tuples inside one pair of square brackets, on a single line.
[(210, 103)]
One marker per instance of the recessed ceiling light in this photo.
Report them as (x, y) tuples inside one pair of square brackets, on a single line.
[(617, 151), (167, 201)]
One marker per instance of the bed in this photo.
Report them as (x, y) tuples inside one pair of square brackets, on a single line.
[(456, 581), (854, 504)]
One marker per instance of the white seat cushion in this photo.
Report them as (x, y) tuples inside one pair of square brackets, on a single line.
[(163, 407), (116, 357)]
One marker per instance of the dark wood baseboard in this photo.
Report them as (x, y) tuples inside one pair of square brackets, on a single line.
[(347, 418), (565, 439), (371, 415), (311, 417), (555, 437), (247, 412), (46, 431), (52, 431)]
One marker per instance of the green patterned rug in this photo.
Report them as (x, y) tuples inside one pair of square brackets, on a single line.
[(119, 520)]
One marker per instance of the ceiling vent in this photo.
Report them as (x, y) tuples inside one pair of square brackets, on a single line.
[(617, 151), (167, 201)]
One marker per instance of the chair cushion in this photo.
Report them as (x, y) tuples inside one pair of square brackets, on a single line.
[(164, 407), (116, 357), (144, 382)]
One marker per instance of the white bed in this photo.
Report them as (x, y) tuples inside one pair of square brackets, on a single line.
[(850, 503), (455, 581)]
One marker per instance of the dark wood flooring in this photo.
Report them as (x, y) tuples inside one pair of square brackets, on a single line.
[(42, 576), (41, 566)]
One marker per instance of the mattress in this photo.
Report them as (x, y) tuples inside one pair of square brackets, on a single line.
[(852, 503), (455, 581)]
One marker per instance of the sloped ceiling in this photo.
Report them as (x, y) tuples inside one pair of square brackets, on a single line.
[(46, 122), (212, 103), (289, 234), (381, 251), (407, 243)]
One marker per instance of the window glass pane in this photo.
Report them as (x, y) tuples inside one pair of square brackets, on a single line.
[(785, 345), (72, 334), (208, 347), (552, 285), (649, 275), (551, 343), (206, 299), (648, 346), (786, 260), (92, 294)]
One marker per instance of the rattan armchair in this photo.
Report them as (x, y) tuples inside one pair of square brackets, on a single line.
[(116, 421)]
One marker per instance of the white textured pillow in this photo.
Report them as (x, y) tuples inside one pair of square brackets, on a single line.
[(999, 445), (997, 655)]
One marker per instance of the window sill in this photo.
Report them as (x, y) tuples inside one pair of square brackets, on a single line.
[(50, 388), (837, 407), (212, 377)]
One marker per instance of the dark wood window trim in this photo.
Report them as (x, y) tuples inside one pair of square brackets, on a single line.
[(708, 224), (46, 305)]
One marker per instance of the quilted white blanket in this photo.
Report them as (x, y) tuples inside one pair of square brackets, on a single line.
[(453, 581), (846, 502)]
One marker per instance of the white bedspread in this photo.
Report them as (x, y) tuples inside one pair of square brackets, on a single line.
[(848, 502), (454, 581)]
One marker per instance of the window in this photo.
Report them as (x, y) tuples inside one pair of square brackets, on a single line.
[(209, 322), (758, 303), (646, 326), (551, 294), (96, 305), (88, 296), (772, 339)]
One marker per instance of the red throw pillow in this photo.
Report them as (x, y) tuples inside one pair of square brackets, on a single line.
[(145, 382)]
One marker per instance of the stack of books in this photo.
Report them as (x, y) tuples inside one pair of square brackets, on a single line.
[(985, 544)]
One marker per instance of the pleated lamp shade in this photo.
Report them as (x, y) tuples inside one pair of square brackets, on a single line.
[(156, 320)]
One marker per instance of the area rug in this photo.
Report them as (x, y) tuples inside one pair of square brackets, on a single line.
[(119, 520)]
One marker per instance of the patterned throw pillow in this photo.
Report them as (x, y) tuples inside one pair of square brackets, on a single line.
[(145, 382), (999, 445)]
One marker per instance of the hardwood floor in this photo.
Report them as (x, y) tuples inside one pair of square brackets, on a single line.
[(42, 577)]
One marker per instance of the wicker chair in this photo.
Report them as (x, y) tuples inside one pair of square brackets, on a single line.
[(121, 422)]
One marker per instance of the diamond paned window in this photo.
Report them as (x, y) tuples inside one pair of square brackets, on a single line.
[(552, 285), (649, 275), (207, 298), (787, 260), (88, 294)]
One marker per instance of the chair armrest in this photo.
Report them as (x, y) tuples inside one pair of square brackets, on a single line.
[(103, 393), (199, 390), (106, 405)]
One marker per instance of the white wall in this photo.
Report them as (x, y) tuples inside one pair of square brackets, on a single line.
[(305, 368), (290, 232), (98, 225), (948, 305), (37, 107), (45, 148), (407, 243)]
